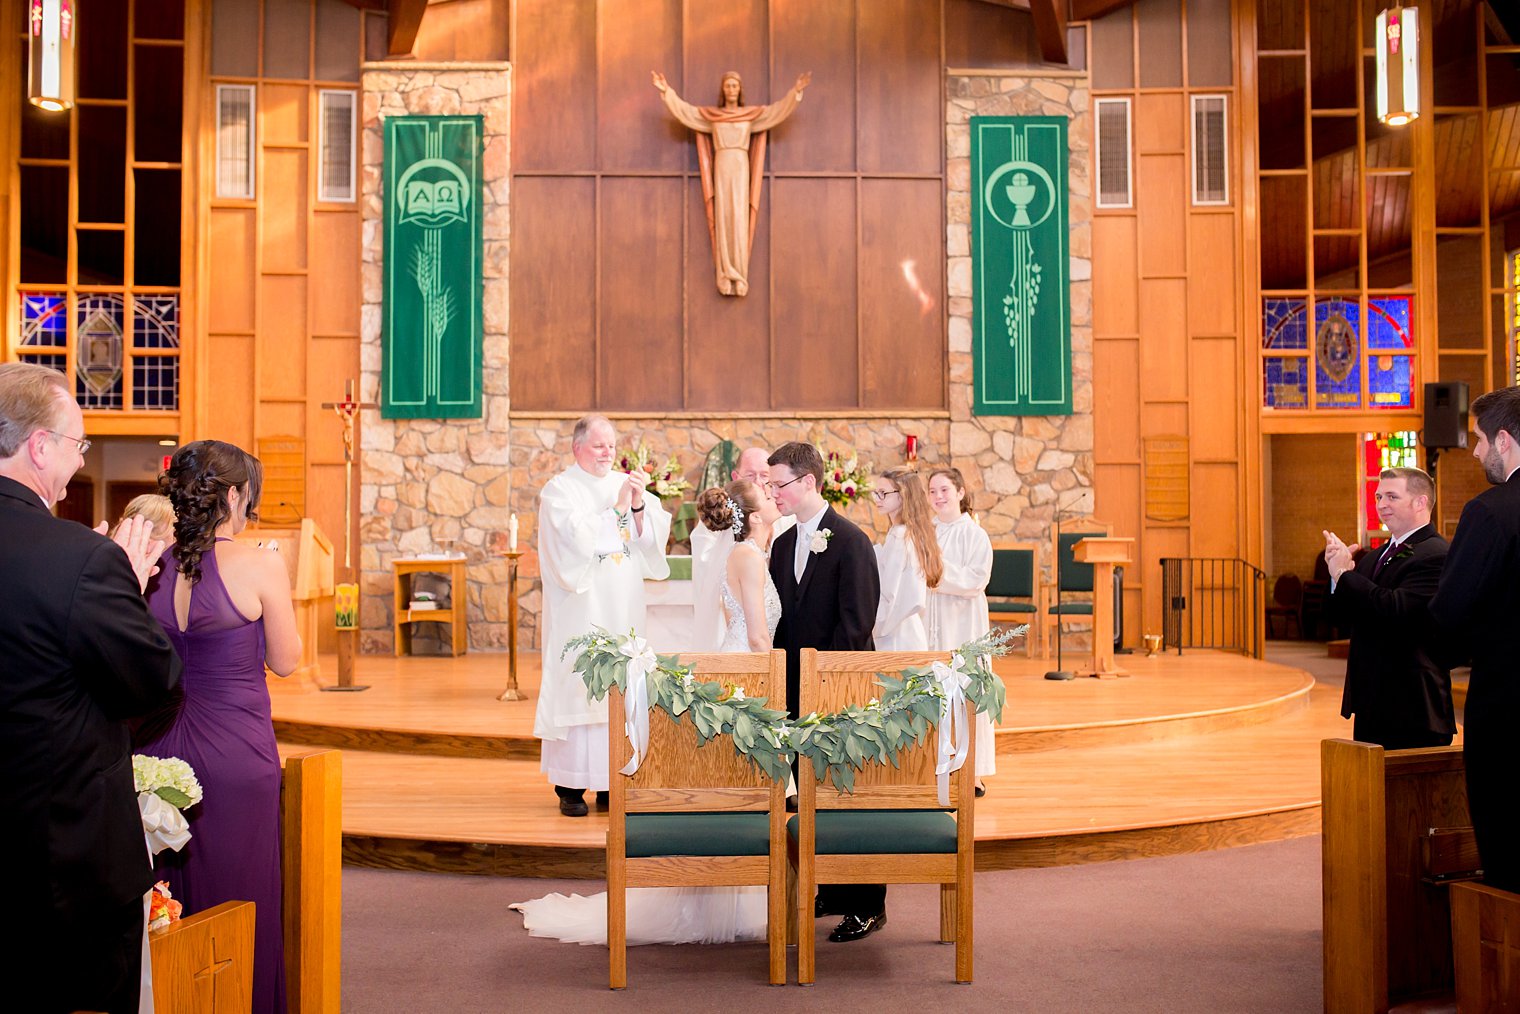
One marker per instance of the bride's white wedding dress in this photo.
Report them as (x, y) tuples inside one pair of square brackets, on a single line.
[(669, 915)]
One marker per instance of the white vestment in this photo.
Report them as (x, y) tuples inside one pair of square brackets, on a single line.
[(958, 608), (904, 602), (592, 577), (709, 563)]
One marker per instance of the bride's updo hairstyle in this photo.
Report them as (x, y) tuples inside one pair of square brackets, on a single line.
[(715, 508), (196, 483)]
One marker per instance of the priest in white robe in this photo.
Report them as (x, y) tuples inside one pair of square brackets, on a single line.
[(600, 535)]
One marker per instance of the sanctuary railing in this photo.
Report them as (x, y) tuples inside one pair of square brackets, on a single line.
[(1213, 602)]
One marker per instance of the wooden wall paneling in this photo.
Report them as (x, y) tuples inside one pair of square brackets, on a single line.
[(283, 114), (1212, 270), (335, 258), (1160, 416), (900, 87), (718, 38), (1157, 542), (1161, 120), (283, 417), (1116, 274), (331, 362), (324, 503), (634, 130), (1113, 50), (986, 37), (1116, 496), (554, 282), (464, 31), (1118, 386), (1161, 197), (1214, 485), (283, 206), (902, 360), (640, 363), (228, 410), (817, 36), (1216, 407), (813, 292), (1210, 64), (554, 95), (1159, 37), (282, 339), (728, 359), (1163, 340), (230, 248)]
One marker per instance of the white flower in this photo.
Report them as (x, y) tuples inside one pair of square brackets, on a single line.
[(820, 540), (737, 695), (152, 773)]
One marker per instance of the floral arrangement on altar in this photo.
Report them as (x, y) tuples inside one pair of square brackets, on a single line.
[(665, 481), (845, 480), (166, 786), (937, 696)]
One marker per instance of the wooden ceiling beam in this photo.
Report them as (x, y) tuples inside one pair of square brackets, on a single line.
[(405, 17), (1050, 29), (1091, 10)]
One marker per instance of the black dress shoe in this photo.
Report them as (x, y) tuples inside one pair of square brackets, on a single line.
[(820, 909), (602, 800), (855, 927), (572, 802), (791, 804), (981, 790)]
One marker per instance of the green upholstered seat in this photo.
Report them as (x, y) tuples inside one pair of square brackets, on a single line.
[(1072, 609), (697, 834), (999, 606), (1012, 575), (1073, 576), (857, 832)]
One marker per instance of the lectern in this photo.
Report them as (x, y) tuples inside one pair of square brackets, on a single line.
[(1104, 553)]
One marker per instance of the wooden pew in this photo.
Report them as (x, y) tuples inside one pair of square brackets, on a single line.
[(204, 962), (311, 814), (1485, 936), (1395, 835)]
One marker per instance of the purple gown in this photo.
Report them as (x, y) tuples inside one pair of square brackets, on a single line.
[(222, 728)]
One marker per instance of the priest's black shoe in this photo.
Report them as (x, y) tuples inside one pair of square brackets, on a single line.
[(856, 927), (572, 802)]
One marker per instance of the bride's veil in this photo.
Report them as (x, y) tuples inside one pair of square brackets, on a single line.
[(709, 562)]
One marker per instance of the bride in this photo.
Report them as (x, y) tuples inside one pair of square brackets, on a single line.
[(751, 610)]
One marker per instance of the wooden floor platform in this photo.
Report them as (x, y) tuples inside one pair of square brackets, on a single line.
[(1194, 752)]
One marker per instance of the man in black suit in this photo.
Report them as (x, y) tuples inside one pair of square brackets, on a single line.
[(82, 655), (1478, 601), (1400, 694), (824, 568)]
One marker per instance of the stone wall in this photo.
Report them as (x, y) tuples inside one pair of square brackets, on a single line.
[(428, 481), (430, 485)]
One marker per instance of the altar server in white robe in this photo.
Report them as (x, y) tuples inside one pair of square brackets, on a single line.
[(709, 555), (958, 607), (908, 561), (600, 535)]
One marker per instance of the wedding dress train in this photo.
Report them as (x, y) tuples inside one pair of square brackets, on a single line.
[(668, 915)]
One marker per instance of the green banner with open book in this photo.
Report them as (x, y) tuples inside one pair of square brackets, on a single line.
[(1020, 266), (431, 334)]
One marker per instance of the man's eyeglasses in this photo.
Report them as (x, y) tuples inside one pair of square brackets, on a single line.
[(773, 486), (84, 445)]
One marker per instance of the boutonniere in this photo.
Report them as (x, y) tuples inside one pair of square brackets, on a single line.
[(820, 540), (1404, 553)]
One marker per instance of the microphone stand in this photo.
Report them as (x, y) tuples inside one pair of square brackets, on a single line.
[(1059, 673)]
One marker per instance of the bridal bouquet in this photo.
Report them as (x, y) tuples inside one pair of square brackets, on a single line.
[(665, 481), (165, 787), (845, 480)]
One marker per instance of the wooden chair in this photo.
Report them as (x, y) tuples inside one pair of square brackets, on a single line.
[(1071, 577), (697, 816), (892, 829), (1287, 603), (1013, 590)]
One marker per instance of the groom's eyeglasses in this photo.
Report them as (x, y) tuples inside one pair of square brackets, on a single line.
[(773, 486)]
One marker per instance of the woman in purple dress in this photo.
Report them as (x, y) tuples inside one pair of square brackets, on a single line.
[(226, 607)]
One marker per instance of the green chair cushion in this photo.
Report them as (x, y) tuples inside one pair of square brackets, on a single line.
[(1012, 574), (1011, 607), (1073, 609), (856, 832), (698, 834)]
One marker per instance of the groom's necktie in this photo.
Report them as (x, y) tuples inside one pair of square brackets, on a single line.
[(1383, 560), (799, 560)]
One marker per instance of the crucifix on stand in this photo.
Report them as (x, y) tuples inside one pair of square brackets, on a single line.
[(347, 606)]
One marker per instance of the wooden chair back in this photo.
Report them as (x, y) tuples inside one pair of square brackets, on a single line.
[(833, 679)]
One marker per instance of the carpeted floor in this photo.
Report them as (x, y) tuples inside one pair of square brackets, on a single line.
[(1230, 931)]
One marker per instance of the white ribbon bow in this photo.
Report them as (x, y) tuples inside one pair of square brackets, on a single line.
[(641, 662), (954, 722), (163, 825)]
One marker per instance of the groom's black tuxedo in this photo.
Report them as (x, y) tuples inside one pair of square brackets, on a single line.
[(833, 608)]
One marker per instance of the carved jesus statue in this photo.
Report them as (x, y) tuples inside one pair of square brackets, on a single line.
[(731, 173)]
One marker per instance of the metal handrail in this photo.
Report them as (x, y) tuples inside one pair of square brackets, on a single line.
[(1213, 602)]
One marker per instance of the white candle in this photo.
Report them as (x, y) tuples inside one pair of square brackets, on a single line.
[(512, 533)]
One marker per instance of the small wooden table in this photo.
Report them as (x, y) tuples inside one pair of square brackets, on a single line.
[(1103, 552), (454, 570)]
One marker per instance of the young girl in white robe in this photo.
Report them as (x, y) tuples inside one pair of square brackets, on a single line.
[(908, 561), (958, 606)]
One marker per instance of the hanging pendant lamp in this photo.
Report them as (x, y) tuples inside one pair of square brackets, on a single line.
[(1398, 65), (51, 31)]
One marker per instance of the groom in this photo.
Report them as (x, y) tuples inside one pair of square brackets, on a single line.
[(825, 571)]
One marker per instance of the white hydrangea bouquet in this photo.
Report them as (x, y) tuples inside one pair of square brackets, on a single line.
[(166, 786)]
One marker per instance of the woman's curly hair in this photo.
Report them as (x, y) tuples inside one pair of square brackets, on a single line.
[(714, 511), (196, 482)]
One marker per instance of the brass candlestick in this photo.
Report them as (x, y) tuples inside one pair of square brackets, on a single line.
[(511, 693)]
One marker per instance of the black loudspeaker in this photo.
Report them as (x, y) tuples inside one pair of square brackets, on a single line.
[(1445, 414)]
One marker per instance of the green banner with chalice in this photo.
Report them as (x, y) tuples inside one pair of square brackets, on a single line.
[(1020, 266), (431, 333)]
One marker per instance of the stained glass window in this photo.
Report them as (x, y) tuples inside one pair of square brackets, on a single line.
[(1287, 382), (1337, 354), (1341, 346), (98, 355), (43, 324), (1283, 324), (1380, 451)]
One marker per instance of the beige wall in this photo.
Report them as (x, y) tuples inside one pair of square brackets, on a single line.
[(1314, 487)]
